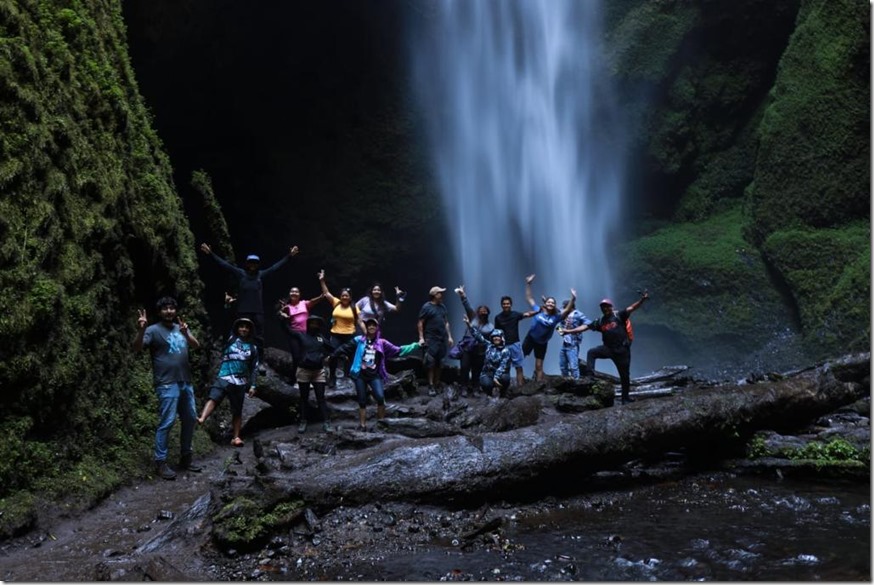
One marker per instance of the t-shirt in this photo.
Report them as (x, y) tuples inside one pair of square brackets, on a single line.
[(509, 323), (297, 315), (169, 350), (542, 325), (239, 363), (344, 319), (612, 328), (434, 319), (370, 310)]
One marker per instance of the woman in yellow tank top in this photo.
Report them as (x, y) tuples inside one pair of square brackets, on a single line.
[(344, 325)]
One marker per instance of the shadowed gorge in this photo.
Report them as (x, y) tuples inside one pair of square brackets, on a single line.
[(130, 132)]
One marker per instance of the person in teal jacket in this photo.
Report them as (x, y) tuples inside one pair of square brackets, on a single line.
[(370, 351)]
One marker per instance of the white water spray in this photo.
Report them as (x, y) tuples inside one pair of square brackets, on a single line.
[(525, 143)]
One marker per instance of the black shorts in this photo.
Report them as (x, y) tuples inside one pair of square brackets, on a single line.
[(435, 351), (529, 344), (234, 393)]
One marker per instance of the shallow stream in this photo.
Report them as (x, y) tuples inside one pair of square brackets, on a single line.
[(709, 528)]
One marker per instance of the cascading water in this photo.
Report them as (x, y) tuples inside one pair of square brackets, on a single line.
[(525, 143)]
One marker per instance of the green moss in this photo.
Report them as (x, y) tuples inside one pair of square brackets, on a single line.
[(91, 229), (244, 525), (813, 165), (17, 514), (829, 274), (711, 283)]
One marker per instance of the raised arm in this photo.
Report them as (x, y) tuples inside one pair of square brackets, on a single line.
[(570, 306), (477, 334), (529, 296), (468, 310), (186, 333), (142, 322), (325, 292), (282, 261), (221, 261), (636, 305), (400, 297)]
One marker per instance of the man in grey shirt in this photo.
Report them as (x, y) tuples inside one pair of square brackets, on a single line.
[(168, 341)]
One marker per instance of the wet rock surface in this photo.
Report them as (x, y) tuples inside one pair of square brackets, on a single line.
[(334, 502)]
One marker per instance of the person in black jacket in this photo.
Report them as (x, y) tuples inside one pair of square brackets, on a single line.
[(250, 302), (315, 349), (615, 344)]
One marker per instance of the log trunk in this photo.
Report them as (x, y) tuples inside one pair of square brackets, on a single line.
[(476, 467)]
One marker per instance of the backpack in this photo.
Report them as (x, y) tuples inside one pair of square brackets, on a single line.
[(629, 331)]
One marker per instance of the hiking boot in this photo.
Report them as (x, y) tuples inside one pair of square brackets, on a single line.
[(185, 464), (627, 399), (326, 427), (163, 470), (302, 427), (431, 391)]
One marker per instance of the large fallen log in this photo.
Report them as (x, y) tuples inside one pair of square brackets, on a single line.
[(545, 456)]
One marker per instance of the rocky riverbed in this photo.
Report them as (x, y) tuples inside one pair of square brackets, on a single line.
[(277, 526)]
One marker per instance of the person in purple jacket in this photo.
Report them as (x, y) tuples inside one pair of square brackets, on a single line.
[(250, 302), (369, 353)]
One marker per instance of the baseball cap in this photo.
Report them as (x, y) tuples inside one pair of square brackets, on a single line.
[(435, 289)]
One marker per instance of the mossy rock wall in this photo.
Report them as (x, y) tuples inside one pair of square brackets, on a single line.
[(91, 229), (749, 126)]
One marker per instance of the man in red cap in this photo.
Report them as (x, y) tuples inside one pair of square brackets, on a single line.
[(615, 344)]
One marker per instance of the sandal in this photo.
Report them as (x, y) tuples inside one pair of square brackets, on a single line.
[(236, 442)]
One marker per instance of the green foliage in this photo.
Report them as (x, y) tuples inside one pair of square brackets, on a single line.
[(836, 450), (813, 165), (91, 229), (216, 225), (711, 282), (244, 525), (829, 274)]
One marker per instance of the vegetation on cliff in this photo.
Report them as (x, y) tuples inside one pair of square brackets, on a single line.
[(90, 230), (755, 119)]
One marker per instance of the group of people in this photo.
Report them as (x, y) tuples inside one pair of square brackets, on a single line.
[(486, 351)]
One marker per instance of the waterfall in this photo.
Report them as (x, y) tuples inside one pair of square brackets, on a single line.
[(525, 145)]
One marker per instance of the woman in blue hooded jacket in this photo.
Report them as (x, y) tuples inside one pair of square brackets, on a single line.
[(495, 374), (370, 351)]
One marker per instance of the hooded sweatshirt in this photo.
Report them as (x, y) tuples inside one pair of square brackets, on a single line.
[(375, 351)]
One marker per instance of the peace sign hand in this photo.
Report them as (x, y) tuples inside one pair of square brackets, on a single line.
[(142, 320)]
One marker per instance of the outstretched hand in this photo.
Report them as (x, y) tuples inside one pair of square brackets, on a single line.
[(460, 289), (142, 320), (321, 274), (204, 247), (529, 279), (573, 293), (293, 251)]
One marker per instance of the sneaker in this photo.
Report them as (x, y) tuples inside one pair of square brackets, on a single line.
[(431, 391), (163, 470), (302, 427), (185, 464), (326, 427)]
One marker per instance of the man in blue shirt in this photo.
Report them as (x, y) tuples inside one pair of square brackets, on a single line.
[(168, 341)]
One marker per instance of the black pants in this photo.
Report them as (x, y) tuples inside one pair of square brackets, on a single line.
[(295, 348), (621, 358), (319, 387), (471, 366)]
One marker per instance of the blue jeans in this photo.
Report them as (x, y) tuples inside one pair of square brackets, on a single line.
[(174, 399), (375, 385), (569, 360)]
